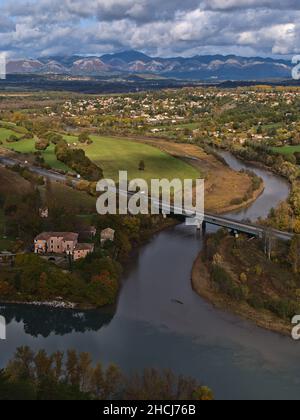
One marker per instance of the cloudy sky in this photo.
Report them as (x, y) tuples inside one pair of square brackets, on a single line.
[(32, 28)]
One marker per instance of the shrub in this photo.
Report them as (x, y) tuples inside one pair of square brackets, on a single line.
[(12, 139), (42, 144), (78, 161), (243, 278), (225, 283)]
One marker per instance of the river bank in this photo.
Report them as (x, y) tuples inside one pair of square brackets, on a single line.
[(201, 280), (202, 284), (244, 204), (57, 302)]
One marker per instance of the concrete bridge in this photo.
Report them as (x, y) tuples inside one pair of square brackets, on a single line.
[(208, 218), (224, 222), (244, 227)]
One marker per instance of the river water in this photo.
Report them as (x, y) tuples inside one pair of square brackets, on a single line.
[(160, 322)]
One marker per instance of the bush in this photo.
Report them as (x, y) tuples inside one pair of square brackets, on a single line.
[(54, 138), (226, 285), (12, 139), (42, 144), (84, 137), (243, 278), (78, 161)]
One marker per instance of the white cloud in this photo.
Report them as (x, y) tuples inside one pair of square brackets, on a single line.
[(40, 27)]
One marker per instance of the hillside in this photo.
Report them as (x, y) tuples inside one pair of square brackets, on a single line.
[(206, 67)]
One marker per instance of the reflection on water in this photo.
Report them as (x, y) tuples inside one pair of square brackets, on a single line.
[(56, 321), (150, 327)]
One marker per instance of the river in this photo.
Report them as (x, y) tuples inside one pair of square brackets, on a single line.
[(150, 328)]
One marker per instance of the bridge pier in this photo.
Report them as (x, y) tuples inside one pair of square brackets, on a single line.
[(201, 227)]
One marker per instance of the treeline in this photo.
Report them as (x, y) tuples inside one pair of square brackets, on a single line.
[(27, 174), (287, 215), (259, 152), (72, 376), (78, 161), (33, 279), (91, 282)]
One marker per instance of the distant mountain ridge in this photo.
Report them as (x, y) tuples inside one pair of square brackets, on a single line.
[(206, 67)]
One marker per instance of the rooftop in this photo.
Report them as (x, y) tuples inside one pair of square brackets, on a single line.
[(66, 236), (84, 247)]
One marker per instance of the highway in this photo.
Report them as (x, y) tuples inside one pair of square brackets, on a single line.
[(213, 219)]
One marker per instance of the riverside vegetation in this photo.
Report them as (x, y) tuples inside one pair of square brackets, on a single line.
[(72, 376), (88, 283), (246, 277)]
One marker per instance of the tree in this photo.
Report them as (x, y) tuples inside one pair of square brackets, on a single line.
[(112, 382), (142, 166), (269, 240), (203, 393), (297, 156), (12, 139), (84, 137), (72, 368), (84, 370), (22, 365), (50, 198), (97, 381), (43, 365), (42, 144), (294, 254), (58, 358)]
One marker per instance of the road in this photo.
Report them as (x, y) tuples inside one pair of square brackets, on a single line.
[(213, 219), (54, 176)]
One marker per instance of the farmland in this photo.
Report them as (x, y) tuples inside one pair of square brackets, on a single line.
[(113, 155), (120, 154), (287, 150)]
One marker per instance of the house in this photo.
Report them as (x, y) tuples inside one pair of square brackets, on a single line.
[(82, 251), (107, 235), (44, 213), (62, 243), (56, 243)]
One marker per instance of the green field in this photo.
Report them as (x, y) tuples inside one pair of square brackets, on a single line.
[(114, 155), (6, 133), (286, 150), (118, 154), (27, 146)]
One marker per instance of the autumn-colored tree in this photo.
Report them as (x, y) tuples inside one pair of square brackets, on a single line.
[(294, 254), (58, 358), (72, 368), (43, 365), (84, 371), (84, 137)]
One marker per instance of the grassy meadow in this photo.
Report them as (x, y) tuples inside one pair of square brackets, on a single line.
[(287, 150), (113, 155)]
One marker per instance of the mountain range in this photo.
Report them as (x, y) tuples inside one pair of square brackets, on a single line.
[(206, 67)]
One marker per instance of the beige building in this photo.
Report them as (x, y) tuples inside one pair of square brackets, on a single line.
[(44, 213), (82, 251), (107, 235), (56, 243)]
